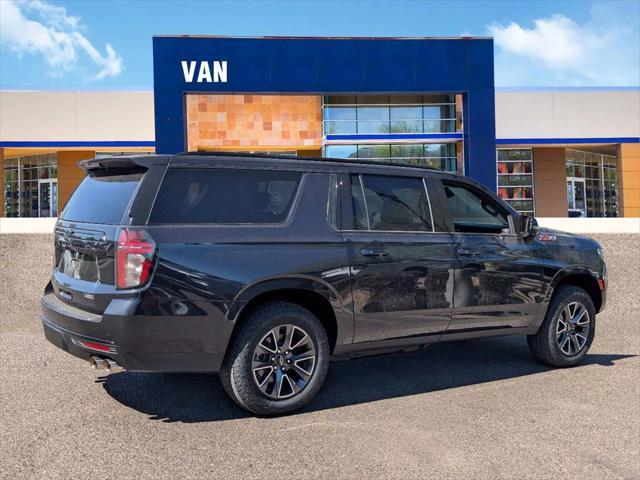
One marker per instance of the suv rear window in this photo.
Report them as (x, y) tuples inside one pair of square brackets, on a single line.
[(102, 197), (216, 196)]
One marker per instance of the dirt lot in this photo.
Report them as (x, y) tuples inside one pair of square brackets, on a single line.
[(481, 409)]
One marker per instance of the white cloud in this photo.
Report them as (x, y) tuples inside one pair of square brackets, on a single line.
[(557, 50), (40, 28)]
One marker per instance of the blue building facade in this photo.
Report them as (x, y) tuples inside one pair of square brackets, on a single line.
[(394, 98)]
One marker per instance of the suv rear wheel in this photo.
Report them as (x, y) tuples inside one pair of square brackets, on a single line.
[(278, 360), (568, 328)]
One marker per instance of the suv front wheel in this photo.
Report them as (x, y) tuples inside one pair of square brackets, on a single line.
[(568, 328), (277, 361)]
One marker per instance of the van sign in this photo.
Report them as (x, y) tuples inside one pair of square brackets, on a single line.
[(207, 72)]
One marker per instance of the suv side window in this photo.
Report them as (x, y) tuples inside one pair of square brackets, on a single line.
[(216, 196), (472, 212), (387, 203)]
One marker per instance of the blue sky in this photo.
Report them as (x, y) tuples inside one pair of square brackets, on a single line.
[(95, 45)]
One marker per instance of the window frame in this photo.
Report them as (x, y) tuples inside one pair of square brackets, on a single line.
[(348, 213), (286, 221), (484, 194)]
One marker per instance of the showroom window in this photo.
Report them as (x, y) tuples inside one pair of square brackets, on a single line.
[(31, 186), (441, 156), (515, 178), (592, 184), (376, 114)]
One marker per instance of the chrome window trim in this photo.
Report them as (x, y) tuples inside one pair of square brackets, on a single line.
[(426, 191), (364, 200)]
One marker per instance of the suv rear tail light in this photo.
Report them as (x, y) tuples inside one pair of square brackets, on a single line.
[(134, 258)]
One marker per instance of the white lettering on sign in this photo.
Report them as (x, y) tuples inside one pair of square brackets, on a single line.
[(208, 72)]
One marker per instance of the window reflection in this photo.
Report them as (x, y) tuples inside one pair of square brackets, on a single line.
[(380, 114), (441, 156)]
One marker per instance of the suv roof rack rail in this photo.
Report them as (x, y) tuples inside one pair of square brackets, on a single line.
[(356, 161)]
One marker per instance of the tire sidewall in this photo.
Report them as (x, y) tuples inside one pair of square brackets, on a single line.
[(242, 380), (571, 295)]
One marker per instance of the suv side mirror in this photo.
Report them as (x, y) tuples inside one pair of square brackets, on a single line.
[(528, 227)]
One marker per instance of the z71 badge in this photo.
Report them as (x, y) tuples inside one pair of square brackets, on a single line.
[(547, 238)]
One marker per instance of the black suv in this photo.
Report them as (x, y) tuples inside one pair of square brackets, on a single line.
[(262, 268)]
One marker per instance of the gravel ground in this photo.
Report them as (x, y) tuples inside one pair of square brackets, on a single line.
[(474, 409)]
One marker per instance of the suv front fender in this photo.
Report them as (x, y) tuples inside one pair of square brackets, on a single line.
[(582, 276)]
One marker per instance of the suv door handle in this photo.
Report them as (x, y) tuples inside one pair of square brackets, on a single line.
[(377, 253), (466, 252)]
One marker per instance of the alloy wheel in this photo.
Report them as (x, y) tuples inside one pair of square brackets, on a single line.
[(283, 361), (572, 330)]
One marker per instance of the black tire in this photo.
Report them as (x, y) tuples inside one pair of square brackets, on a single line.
[(237, 372), (557, 343)]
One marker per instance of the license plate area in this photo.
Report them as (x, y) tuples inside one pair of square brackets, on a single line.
[(79, 265)]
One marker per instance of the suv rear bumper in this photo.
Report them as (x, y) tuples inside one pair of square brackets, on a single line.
[(137, 342)]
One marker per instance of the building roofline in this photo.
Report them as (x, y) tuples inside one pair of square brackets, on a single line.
[(602, 88), (318, 37), (14, 88)]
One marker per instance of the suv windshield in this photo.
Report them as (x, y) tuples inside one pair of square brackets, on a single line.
[(102, 198)]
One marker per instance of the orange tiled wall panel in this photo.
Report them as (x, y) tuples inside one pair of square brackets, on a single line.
[(253, 121), (629, 179)]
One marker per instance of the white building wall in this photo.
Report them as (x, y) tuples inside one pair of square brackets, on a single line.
[(568, 114), (76, 116), (128, 116)]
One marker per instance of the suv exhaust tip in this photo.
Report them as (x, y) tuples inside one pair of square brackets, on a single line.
[(108, 364), (113, 366)]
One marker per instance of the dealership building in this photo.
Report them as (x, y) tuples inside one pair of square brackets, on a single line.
[(429, 102)]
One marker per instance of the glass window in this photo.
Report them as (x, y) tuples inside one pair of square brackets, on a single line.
[(340, 113), (405, 126), (225, 196), (471, 212), (441, 156), (388, 203), (515, 178), (359, 208), (406, 113), (340, 127), (592, 168), (374, 151), (376, 114), (432, 112), (21, 185), (102, 198), (407, 151), (341, 151), (373, 113), (373, 127), (439, 150)]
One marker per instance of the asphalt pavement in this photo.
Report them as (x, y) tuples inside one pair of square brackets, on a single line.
[(473, 409)]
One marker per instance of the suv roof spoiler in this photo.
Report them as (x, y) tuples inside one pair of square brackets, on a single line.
[(119, 162), (356, 161)]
